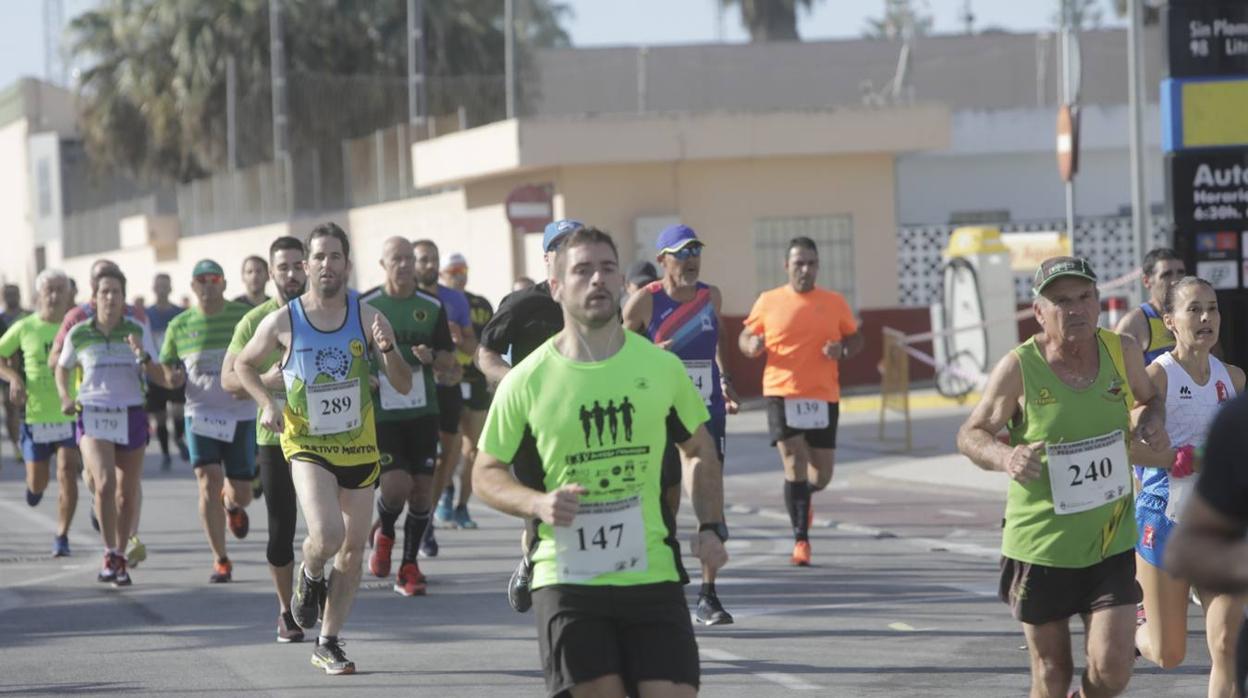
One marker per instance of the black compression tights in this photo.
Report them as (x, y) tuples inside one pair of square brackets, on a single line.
[(280, 502)]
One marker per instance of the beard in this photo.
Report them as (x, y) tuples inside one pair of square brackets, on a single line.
[(291, 290), (330, 287), (427, 280)]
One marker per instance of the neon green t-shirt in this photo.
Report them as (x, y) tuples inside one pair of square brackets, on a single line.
[(243, 332), (603, 425), (33, 337)]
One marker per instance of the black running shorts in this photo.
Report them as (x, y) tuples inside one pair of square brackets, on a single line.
[(641, 633), (450, 402), (1038, 594), (410, 445), (778, 430)]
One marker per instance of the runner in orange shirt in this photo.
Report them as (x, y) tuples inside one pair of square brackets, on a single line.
[(805, 332)]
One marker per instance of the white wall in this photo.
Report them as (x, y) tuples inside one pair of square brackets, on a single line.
[(17, 261)]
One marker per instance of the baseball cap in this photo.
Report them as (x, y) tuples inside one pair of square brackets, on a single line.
[(207, 266), (453, 261), (1056, 267), (555, 231), (642, 273), (675, 237)]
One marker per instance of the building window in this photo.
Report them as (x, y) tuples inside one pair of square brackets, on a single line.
[(43, 176), (834, 236)]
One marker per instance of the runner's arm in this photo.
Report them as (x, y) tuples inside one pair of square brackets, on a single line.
[(637, 311), (493, 482), (977, 439), (8, 374), (1151, 426), (703, 476), (1208, 549), (66, 360), (731, 399), (750, 344), (1135, 325), (264, 341), (1141, 453), (382, 339), (491, 364), (1237, 378)]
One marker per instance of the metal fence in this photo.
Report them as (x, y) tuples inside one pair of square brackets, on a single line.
[(98, 229)]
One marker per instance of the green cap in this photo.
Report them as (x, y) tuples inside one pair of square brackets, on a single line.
[(207, 266), (1055, 268)]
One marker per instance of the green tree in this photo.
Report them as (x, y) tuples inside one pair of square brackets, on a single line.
[(902, 19), (1079, 14), (770, 20), (153, 94)]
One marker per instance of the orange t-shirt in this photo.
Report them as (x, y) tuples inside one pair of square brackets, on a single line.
[(794, 327)]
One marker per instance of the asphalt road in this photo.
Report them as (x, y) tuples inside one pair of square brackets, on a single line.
[(900, 602)]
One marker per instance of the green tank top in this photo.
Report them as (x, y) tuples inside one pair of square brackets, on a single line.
[(1054, 412)]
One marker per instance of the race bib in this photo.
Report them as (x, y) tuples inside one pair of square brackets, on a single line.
[(51, 433), (465, 389), (604, 537), (106, 424), (334, 408), (1089, 473), (1180, 487), (392, 399), (805, 414), (218, 428), (700, 373)]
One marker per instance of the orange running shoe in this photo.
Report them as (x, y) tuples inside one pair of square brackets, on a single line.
[(222, 572), (801, 553), (410, 582), (238, 522)]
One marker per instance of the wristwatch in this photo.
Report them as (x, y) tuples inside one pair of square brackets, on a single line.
[(720, 529)]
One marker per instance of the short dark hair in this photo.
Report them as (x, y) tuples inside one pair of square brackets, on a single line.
[(1156, 255), (284, 242), (426, 242), (256, 258), (578, 237), (1172, 293), (329, 229), (803, 242), (108, 272)]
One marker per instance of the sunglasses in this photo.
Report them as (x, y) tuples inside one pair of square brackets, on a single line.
[(210, 278), (685, 252)]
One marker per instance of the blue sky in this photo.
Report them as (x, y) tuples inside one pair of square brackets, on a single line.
[(611, 22)]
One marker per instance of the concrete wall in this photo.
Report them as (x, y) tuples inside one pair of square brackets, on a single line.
[(17, 233)]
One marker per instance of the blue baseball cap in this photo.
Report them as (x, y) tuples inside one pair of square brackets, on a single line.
[(555, 231), (676, 237)]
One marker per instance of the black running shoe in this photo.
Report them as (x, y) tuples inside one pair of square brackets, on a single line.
[(519, 594), (332, 659), (287, 629), (429, 546), (307, 599), (711, 612)]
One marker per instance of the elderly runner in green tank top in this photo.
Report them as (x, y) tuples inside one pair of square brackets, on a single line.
[(1067, 545)]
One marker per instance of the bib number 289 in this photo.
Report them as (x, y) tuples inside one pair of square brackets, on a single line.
[(334, 407)]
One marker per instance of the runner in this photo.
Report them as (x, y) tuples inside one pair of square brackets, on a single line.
[(164, 403), (45, 431), (1069, 529), (289, 281), (1162, 269), (113, 353), (476, 394), (326, 426), (1194, 384), (407, 424), (806, 331), (12, 312), (640, 275), (255, 278), (524, 321), (523, 283), (681, 314), (1208, 547), (450, 399), (222, 437), (611, 614)]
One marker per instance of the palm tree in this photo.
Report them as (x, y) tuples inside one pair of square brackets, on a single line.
[(770, 20), (902, 19)]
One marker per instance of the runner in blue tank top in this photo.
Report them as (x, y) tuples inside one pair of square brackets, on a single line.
[(1162, 269), (681, 314)]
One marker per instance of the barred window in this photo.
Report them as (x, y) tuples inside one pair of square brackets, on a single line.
[(833, 235)]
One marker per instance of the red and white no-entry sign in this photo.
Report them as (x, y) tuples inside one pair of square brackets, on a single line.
[(530, 207)]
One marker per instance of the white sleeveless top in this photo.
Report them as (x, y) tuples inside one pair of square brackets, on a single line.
[(1190, 409)]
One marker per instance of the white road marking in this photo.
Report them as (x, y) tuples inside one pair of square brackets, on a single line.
[(789, 681), (860, 500), (958, 512)]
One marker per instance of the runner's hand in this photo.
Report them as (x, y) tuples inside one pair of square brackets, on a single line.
[(271, 418), (708, 548), (383, 333), (732, 401), (665, 344), (179, 377), (754, 346), (1024, 463), (423, 353), (1152, 431), (558, 508), (135, 346), (68, 406), (834, 350), (17, 393)]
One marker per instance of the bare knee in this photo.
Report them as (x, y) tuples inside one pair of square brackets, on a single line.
[(1113, 673)]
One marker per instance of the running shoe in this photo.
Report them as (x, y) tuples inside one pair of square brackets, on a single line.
[(108, 572), (136, 553), (711, 612), (222, 572), (429, 546), (60, 546), (801, 553), (519, 594), (445, 511), (95, 523), (287, 629), (410, 582), (257, 488), (238, 522), (121, 578), (183, 451), (379, 560), (166, 463), (305, 602), (332, 659), (33, 499), (462, 519)]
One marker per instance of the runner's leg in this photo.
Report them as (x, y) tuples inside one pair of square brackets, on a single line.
[(665, 689), (1110, 655), (36, 476), (1052, 667), (1224, 618), (1162, 639), (470, 424), (100, 457), (317, 490), (795, 456), (237, 493), (279, 504), (68, 464), (129, 491), (609, 686), (211, 479), (357, 519), (819, 469)]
